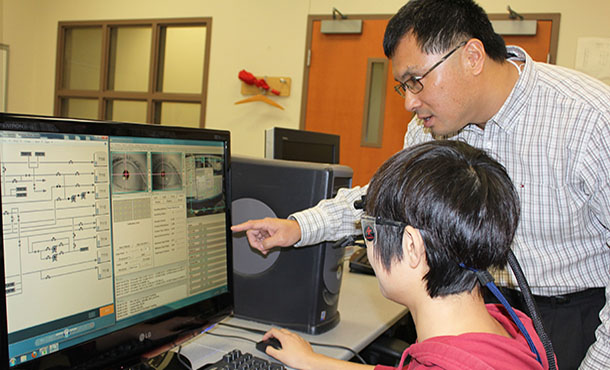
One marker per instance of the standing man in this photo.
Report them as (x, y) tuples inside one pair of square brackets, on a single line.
[(548, 125)]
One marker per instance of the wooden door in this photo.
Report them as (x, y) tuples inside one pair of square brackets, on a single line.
[(335, 96), (542, 46), (335, 86), (539, 46)]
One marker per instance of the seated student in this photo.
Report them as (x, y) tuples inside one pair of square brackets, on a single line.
[(437, 216)]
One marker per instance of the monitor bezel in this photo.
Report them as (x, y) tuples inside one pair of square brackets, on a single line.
[(160, 331)]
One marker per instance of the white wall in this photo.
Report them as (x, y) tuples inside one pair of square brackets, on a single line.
[(265, 37)]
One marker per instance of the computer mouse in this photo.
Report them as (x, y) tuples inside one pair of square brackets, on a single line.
[(263, 344)]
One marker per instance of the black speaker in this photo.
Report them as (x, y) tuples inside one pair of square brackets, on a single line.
[(295, 288)]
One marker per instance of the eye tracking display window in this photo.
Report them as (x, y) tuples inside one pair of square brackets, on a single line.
[(167, 203), (101, 233)]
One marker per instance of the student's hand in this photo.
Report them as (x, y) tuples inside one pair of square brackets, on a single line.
[(270, 232), (296, 352)]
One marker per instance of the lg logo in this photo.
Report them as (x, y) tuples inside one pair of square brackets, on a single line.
[(144, 336)]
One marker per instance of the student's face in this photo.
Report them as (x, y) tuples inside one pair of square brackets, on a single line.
[(443, 105)]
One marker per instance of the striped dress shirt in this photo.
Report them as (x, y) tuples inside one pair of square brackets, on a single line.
[(553, 136)]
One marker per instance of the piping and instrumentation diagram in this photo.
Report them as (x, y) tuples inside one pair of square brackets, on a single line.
[(56, 220)]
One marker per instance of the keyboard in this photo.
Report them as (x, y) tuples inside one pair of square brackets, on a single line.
[(236, 360), (359, 262)]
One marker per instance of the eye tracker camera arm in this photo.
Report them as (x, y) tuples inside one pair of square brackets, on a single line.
[(350, 240)]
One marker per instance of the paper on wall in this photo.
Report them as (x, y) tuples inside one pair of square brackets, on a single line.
[(593, 57)]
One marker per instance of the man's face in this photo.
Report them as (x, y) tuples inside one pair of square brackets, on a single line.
[(443, 104)]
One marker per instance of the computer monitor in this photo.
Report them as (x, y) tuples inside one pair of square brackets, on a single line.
[(300, 145), (115, 239)]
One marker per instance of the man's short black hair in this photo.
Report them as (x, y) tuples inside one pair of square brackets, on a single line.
[(439, 25), (460, 199)]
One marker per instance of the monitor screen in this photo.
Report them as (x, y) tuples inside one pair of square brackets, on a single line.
[(113, 236), (300, 145)]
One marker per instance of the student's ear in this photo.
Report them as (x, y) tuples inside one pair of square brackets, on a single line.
[(474, 56), (413, 246)]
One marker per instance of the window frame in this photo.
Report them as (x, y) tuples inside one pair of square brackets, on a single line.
[(152, 96)]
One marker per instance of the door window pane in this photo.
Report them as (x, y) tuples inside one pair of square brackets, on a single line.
[(79, 108), (129, 58), (82, 58), (126, 111), (178, 114), (183, 59), (372, 127)]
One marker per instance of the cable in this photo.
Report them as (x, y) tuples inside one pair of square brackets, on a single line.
[(251, 330), (232, 336), (494, 289), (533, 309), (340, 347), (177, 343), (485, 279), (179, 356), (162, 364)]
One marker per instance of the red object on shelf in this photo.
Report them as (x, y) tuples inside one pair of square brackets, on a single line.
[(249, 79), (262, 84)]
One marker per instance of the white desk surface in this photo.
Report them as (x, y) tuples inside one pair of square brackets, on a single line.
[(365, 314)]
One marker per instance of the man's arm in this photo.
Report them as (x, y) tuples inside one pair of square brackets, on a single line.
[(269, 232), (597, 172), (330, 219)]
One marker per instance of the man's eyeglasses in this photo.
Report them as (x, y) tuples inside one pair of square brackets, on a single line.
[(414, 83), (369, 226)]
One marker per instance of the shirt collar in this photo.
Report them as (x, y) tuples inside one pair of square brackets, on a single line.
[(521, 92)]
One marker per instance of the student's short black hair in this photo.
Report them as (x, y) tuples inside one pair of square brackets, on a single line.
[(460, 199), (439, 25)]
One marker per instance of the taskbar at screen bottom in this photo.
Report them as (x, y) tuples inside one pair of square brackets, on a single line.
[(33, 348)]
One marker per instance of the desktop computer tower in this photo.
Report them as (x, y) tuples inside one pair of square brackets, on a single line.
[(295, 288)]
